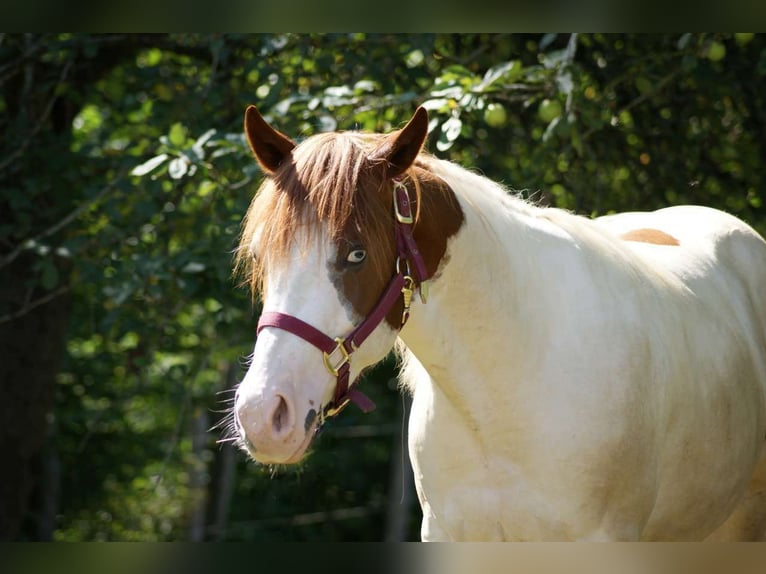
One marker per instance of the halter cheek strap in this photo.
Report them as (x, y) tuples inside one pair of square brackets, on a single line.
[(337, 352)]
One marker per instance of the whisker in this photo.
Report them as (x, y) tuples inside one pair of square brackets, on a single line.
[(247, 360), (227, 440), (227, 422)]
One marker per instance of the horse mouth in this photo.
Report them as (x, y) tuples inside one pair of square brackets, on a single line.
[(295, 457), (300, 452)]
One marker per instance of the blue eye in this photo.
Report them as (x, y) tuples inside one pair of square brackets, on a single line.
[(356, 256)]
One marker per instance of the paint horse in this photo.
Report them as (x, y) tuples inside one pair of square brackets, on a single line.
[(572, 379)]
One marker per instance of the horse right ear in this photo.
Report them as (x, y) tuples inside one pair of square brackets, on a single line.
[(402, 147), (270, 147)]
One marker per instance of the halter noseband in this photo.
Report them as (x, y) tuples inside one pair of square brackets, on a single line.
[(337, 352)]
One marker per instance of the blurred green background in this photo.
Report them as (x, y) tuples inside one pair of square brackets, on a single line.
[(123, 179)]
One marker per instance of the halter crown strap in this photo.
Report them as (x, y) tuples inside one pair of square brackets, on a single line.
[(337, 352), (405, 242)]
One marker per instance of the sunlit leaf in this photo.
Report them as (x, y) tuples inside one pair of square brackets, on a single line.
[(449, 133), (547, 40), (435, 104), (193, 267), (364, 86), (455, 92), (497, 72), (149, 165), (683, 41), (550, 130), (327, 123), (565, 83), (414, 58), (451, 128), (178, 167), (198, 146)]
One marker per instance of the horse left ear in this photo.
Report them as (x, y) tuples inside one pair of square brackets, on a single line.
[(402, 147), (269, 146)]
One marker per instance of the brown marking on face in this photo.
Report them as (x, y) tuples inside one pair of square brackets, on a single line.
[(439, 217), (646, 235)]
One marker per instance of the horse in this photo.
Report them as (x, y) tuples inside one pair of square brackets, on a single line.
[(572, 378)]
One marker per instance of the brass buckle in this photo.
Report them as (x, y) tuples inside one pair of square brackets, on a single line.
[(406, 219), (422, 286), (409, 284), (345, 357)]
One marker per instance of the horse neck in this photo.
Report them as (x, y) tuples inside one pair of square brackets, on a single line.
[(477, 303)]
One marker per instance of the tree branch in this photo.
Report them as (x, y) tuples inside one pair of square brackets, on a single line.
[(43, 118), (74, 214), (31, 305)]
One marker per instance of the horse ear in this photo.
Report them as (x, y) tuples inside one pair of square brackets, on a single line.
[(270, 147), (402, 147)]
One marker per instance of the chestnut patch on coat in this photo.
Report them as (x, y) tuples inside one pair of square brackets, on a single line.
[(438, 217), (647, 235)]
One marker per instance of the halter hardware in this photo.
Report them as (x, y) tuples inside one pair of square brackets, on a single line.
[(407, 219), (409, 283), (402, 284), (345, 356)]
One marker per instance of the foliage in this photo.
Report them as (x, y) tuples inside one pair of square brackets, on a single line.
[(156, 177)]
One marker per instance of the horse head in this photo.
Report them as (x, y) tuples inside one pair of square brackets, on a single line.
[(321, 243)]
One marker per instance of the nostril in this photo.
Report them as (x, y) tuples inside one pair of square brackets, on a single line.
[(280, 420)]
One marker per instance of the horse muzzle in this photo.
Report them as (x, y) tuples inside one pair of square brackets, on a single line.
[(271, 429)]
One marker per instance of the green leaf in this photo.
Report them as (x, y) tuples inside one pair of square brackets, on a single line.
[(177, 134), (206, 187), (414, 59), (456, 71)]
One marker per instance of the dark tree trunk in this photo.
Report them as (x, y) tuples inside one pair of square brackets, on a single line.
[(31, 349)]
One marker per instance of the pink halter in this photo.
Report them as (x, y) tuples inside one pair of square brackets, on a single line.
[(337, 352)]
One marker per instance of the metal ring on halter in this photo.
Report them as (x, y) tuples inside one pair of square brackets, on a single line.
[(399, 266)]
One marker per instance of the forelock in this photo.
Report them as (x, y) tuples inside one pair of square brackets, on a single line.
[(329, 185)]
